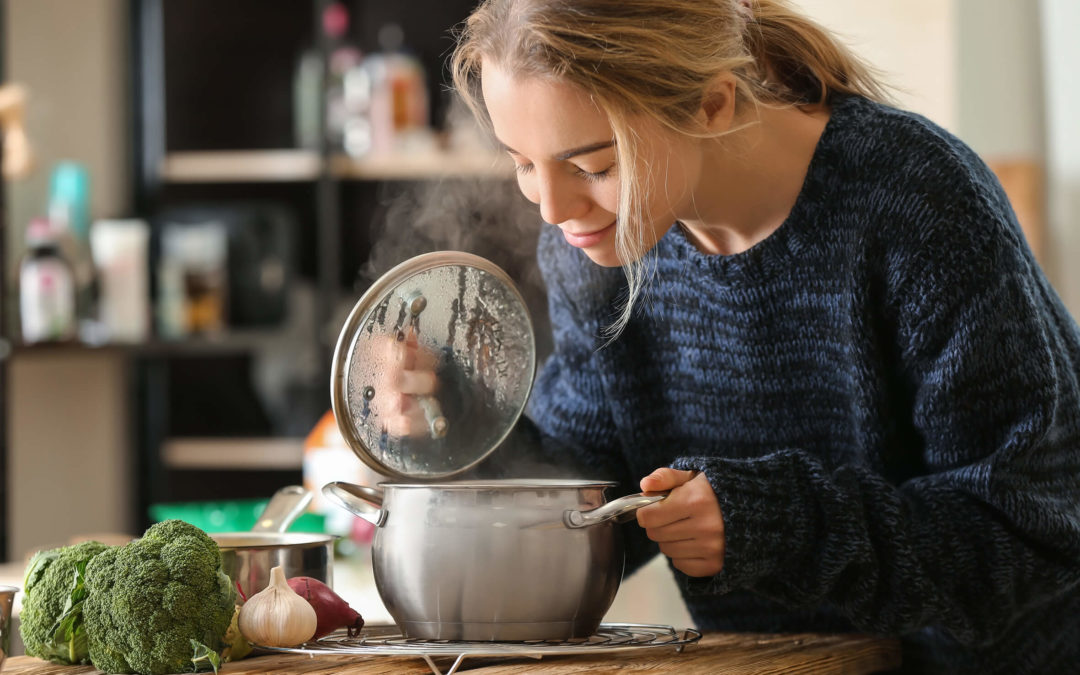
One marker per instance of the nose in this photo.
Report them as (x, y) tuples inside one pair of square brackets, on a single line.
[(559, 199)]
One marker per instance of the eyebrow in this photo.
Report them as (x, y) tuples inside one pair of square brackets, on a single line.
[(572, 152)]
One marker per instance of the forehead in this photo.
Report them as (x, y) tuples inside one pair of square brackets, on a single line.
[(544, 114)]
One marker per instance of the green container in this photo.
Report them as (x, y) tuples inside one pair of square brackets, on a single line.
[(237, 515)]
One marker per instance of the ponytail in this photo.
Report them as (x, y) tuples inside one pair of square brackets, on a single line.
[(797, 61)]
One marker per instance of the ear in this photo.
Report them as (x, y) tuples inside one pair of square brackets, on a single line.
[(718, 105)]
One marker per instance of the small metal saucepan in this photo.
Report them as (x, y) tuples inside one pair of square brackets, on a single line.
[(248, 557)]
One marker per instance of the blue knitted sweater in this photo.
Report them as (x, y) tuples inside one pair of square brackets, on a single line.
[(883, 394)]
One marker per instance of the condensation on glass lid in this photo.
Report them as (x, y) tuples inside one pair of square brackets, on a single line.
[(474, 333)]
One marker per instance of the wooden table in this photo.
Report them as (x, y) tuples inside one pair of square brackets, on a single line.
[(730, 653)]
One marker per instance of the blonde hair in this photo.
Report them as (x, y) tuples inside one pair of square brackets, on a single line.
[(656, 59)]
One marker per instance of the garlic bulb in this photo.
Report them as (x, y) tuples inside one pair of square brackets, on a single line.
[(276, 616)]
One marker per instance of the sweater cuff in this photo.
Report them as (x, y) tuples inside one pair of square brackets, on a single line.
[(768, 520)]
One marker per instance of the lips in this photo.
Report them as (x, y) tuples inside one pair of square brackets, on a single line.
[(588, 239)]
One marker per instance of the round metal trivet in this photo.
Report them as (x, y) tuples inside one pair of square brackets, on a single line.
[(388, 641)]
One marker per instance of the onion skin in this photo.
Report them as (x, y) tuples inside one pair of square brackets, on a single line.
[(331, 611)]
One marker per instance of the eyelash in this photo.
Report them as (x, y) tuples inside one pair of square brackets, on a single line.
[(589, 176)]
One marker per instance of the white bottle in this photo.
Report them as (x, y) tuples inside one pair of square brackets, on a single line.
[(46, 288), (119, 249)]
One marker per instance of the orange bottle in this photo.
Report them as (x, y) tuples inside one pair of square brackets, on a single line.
[(328, 458)]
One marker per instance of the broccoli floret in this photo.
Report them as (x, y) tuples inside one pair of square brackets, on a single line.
[(148, 600), (50, 622)]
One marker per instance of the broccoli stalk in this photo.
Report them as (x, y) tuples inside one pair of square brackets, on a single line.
[(147, 601), (203, 657), (51, 623)]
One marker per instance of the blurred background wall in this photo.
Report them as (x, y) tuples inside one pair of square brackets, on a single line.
[(68, 420), (1060, 52)]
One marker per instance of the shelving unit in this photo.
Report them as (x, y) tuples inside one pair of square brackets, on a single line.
[(235, 144)]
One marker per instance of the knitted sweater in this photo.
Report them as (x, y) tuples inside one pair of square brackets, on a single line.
[(883, 394)]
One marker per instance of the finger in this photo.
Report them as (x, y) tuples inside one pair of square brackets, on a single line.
[(687, 548), (660, 529), (660, 515), (677, 531), (403, 349), (674, 508), (394, 404), (398, 425), (698, 567), (418, 382), (410, 423), (665, 479), (425, 359), (697, 547)]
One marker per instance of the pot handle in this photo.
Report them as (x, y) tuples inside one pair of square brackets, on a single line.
[(614, 509), (359, 500), (283, 509)]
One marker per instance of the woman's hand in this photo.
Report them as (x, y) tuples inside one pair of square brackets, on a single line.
[(687, 524), (407, 384)]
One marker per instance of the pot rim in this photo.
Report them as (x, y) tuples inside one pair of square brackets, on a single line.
[(232, 541), (508, 483)]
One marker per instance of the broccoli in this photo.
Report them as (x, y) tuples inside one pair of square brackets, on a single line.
[(51, 620), (148, 601)]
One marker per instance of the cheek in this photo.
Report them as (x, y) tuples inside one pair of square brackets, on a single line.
[(607, 196), (673, 190), (527, 185)]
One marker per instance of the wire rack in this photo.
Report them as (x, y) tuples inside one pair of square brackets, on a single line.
[(387, 640)]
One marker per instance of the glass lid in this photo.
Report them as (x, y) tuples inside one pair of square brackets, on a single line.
[(449, 323)]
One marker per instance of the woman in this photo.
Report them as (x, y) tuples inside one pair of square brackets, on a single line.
[(827, 339)]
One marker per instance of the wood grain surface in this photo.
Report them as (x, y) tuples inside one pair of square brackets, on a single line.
[(730, 653)]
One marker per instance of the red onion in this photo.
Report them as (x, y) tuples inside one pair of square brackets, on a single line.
[(331, 611)]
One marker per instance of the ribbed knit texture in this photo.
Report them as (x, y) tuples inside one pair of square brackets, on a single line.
[(884, 395)]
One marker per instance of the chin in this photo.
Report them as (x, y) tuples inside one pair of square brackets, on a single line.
[(604, 257)]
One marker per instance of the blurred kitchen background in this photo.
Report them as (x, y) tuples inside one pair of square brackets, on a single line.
[(197, 191)]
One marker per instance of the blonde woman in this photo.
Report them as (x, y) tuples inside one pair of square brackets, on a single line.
[(809, 315)]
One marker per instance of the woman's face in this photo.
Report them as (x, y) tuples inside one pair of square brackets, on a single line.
[(563, 148)]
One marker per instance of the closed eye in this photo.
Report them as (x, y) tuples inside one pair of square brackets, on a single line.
[(594, 176), (590, 176)]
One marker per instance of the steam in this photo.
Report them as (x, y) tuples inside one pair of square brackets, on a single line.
[(492, 219), (483, 216)]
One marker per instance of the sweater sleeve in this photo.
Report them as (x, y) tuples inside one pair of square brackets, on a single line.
[(991, 526)]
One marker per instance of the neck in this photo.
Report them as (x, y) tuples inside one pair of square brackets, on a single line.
[(751, 179)]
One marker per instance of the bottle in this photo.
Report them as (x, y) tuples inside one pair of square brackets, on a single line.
[(46, 287), (327, 457), (341, 111), (120, 253), (69, 214), (193, 280), (400, 109)]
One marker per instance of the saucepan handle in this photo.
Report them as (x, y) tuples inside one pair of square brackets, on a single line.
[(622, 506), (284, 507), (359, 500)]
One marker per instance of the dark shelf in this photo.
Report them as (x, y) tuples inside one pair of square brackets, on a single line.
[(229, 343)]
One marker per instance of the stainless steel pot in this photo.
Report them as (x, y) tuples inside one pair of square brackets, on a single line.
[(248, 557), (494, 560), (465, 560)]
